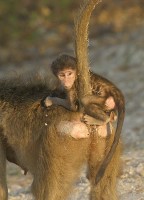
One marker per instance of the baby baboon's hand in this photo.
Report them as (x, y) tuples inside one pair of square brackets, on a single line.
[(48, 101)]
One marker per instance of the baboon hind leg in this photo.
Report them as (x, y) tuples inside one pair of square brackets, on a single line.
[(58, 171), (3, 185), (106, 188), (53, 185)]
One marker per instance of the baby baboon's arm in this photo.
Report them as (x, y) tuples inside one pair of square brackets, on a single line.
[(56, 101)]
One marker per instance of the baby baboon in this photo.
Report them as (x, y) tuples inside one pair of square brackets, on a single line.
[(54, 161)]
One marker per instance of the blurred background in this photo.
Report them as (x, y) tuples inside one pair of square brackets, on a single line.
[(31, 29), (34, 32)]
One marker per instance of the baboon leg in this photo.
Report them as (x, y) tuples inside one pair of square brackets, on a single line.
[(54, 185), (3, 185), (97, 154), (59, 171), (106, 188)]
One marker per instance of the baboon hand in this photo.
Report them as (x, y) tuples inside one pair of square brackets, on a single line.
[(48, 101)]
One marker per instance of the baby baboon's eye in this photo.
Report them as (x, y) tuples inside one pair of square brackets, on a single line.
[(69, 74)]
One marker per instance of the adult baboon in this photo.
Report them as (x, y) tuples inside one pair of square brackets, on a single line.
[(54, 160)]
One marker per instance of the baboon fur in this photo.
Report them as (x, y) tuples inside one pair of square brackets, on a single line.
[(29, 132)]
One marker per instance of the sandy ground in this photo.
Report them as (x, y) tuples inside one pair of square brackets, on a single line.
[(121, 59)]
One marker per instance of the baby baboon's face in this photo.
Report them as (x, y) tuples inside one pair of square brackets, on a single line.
[(67, 77)]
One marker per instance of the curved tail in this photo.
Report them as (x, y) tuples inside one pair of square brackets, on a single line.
[(81, 47), (101, 171)]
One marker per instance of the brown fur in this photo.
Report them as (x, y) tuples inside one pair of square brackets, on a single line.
[(55, 161)]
